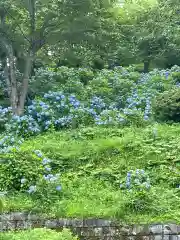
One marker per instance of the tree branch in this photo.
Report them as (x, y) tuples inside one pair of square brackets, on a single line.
[(25, 37)]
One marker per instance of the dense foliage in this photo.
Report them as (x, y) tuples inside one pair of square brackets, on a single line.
[(167, 106), (38, 234), (130, 174), (108, 97), (84, 133)]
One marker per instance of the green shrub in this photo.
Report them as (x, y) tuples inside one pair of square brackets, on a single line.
[(176, 76), (38, 234), (138, 201), (16, 166), (112, 85), (160, 83), (68, 79), (167, 106)]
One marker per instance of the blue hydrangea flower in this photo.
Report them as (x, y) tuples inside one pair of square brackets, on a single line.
[(38, 153), (45, 161), (23, 180), (59, 188), (128, 184), (32, 189), (146, 117), (48, 169), (147, 185), (129, 174)]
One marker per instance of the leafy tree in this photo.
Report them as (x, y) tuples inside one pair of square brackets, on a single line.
[(25, 27), (96, 47), (28, 26), (155, 32), (169, 16)]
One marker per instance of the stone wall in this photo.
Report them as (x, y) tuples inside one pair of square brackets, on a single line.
[(92, 228)]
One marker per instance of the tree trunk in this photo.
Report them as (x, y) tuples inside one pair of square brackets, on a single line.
[(24, 88), (146, 66), (11, 80), (17, 99)]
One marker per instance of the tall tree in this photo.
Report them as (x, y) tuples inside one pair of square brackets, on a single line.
[(28, 25), (23, 32), (96, 43)]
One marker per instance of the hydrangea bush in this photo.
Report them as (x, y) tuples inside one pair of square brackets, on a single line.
[(48, 188), (9, 143), (137, 186), (136, 180), (33, 174), (116, 97)]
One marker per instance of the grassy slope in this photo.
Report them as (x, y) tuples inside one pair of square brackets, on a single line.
[(94, 160)]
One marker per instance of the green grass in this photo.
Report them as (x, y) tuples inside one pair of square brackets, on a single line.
[(93, 161)]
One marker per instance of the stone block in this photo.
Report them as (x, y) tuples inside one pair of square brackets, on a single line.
[(98, 231), (18, 216), (60, 222), (68, 222), (53, 224), (5, 217), (106, 230), (126, 230), (96, 223), (156, 228), (38, 224), (140, 230), (33, 217), (77, 223), (89, 222)]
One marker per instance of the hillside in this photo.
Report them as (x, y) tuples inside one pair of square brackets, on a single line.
[(89, 118), (92, 163)]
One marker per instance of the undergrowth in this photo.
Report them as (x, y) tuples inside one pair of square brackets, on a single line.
[(93, 162)]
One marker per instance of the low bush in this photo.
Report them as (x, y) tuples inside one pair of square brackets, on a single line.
[(38, 234), (167, 106), (19, 165)]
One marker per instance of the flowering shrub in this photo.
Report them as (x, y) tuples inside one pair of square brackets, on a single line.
[(42, 113), (47, 187), (138, 185), (9, 142), (109, 97), (23, 125), (137, 180), (5, 114), (31, 173), (18, 165), (139, 201), (110, 117), (58, 110), (70, 80)]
